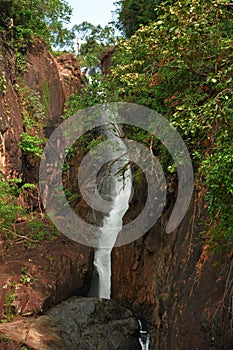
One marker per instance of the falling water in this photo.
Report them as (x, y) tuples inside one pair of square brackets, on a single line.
[(89, 72), (144, 339), (116, 188)]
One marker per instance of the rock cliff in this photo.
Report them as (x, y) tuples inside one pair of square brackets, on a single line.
[(36, 277), (23, 78), (181, 288)]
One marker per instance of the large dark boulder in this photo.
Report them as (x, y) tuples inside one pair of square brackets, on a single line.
[(78, 324)]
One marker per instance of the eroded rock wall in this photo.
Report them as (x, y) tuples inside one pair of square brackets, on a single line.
[(36, 278), (53, 79), (180, 287), (11, 124), (33, 279)]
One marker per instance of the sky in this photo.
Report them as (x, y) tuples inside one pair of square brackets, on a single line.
[(92, 11)]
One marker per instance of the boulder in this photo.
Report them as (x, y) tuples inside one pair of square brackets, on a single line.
[(77, 324)]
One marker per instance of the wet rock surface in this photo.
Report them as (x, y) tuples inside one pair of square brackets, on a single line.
[(77, 324)]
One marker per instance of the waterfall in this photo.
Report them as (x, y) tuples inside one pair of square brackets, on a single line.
[(143, 337), (89, 72), (115, 187)]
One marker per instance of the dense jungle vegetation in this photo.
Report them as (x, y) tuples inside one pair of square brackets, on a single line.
[(175, 57)]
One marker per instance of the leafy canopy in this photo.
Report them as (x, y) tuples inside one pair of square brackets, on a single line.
[(92, 41), (42, 18), (133, 13)]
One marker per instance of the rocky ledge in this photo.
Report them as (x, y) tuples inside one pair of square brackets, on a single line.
[(35, 278), (77, 323)]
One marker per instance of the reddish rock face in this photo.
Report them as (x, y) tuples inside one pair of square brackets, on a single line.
[(11, 124), (53, 79), (43, 276), (11, 155), (106, 60), (55, 269), (70, 74), (175, 281)]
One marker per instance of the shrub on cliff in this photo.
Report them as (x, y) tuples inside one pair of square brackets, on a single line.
[(8, 205)]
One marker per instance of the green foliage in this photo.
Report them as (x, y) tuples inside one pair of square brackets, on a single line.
[(25, 277), (24, 18), (2, 82), (20, 63), (72, 198), (33, 111), (92, 95), (8, 204), (39, 229), (9, 309), (32, 144), (181, 65), (132, 13), (93, 41), (220, 235)]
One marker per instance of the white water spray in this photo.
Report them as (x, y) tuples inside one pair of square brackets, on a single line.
[(144, 339), (89, 72), (116, 187)]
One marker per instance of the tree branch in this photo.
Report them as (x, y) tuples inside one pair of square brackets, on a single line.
[(229, 4), (20, 236)]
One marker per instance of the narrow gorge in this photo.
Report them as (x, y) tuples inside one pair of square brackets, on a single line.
[(178, 289)]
